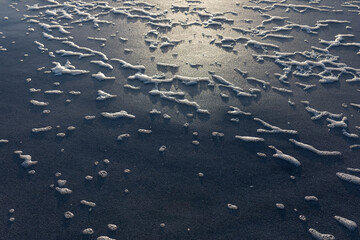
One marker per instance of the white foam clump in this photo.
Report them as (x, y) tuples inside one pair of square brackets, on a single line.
[(191, 80), (314, 150), (128, 86), (232, 206), (42, 129), (280, 206), (355, 146), (101, 76), (88, 231), (168, 95), (89, 178), (104, 238), (264, 83), (302, 218), (71, 128), (217, 134), (282, 90), (61, 182), (261, 45), (353, 170), (249, 138), (221, 80), (114, 115), (156, 79), (104, 95), (65, 53), (155, 112), (166, 116), (123, 136), (144, 131), (236, 111), (71, 44), (203, 111), (63, 191), (304, 86), (260, 154), (27, 159), (49, 27), (355, 105), (89, 117), (38, 103), (41, 46), (167, 65), (88, 203), (348, 178), (68, 215), (319, 114), (320, 236), (271, 35), (34, 90), (349, 135), (61, 135), (273, 129), (290, 159), (75, 93), (66, 69), (53, 92), (311, 198), (103, 173), (102, 64), (162, 148), (349, 224), (337, 124), (51, 37), (195, 142), (112, 227), (127, 65)]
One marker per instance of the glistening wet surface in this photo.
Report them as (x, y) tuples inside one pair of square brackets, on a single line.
[(179, 119)]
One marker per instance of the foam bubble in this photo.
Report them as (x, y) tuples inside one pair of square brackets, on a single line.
[(115, 115), (232, 206), (38, 103), (104, 238), (101, 76), (290, 159), (88, 231), (103, 173), (63, 191), (68, 215), (89, 117), (87, 203), (349, 224), (348, 178), (314, 150), (144, 131), (102, 95), (89, 178), (320, 236), (280, 206), (66, 69), (311, 199), (162, 148), (112, 227), (249, 139), (123, 136)]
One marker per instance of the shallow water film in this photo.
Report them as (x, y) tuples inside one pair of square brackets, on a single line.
[(179, 119)]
